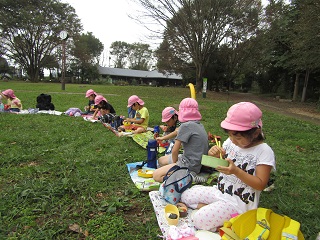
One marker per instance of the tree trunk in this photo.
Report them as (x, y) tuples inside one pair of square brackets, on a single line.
[(199, 75), (305, 85), (296, 88)]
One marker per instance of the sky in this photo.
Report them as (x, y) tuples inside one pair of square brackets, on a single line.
[(108, 21)]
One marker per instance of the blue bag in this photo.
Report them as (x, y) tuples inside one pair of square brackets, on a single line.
[(175, 182)]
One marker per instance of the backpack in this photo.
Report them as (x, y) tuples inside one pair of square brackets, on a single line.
[(175, 182), (261, 224), (44, 102)]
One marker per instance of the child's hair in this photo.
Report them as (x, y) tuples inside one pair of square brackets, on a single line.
[(104, 105), (249, 134)]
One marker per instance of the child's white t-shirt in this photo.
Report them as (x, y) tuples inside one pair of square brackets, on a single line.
[(232, 189)]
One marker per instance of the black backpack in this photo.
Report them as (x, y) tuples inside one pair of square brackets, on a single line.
[(44, 102)]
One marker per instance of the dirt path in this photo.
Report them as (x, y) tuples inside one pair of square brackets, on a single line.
[(303, 111)]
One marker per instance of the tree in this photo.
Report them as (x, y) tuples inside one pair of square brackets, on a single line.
[(306, 41), (120, 51), (4, 66), (139, 56), (87, 50), (170, 61), (197, 27), (30, 29)]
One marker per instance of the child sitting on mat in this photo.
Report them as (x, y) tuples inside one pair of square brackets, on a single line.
[(240, 184), (141, 120), (193, 137), (170, 117), (103, 107), (90, 108), (14, 104)]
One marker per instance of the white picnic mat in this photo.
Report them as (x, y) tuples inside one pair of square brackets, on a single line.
[(159, 204)]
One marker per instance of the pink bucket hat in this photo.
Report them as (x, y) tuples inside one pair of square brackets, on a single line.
[(9, 93), (133, 99), (242, 116), (98, 99), (167, 113), (188, 110), (90, 92)]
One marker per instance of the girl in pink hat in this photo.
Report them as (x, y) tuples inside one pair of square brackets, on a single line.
[(90, 108), (102, 106), (170, 117), (192, 137), (240, 184), (13, 103), (141, 119)]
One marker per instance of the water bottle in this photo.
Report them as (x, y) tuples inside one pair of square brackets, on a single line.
[(152, 150), (156, 131)]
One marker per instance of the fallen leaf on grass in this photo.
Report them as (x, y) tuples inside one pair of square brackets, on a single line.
[(299, 149), (146, 220), (75, 228), (13, 143)]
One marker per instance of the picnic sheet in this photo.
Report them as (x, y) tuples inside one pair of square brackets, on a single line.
[(36, 111), (142, 140), (143, 184), (158, 205)]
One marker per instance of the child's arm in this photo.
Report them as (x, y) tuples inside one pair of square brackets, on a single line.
[(175, 150), (2, 95), (17, 103), (169, 136), (133, 120), (258, 182), (95, 113)]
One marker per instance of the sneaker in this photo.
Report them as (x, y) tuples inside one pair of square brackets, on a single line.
[(198, 179)]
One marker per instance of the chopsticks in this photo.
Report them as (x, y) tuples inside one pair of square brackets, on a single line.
[(218, 143)]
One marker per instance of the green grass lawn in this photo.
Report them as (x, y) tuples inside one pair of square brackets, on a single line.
[(64, 178)]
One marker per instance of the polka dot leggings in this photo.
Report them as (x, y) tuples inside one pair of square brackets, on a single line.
[(211, 216)]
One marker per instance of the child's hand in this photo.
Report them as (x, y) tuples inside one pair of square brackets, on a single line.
[(15, 102), (215, 151), (159, 139), (231, 169)]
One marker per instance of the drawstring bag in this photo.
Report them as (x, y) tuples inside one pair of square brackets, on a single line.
[(175, 182)]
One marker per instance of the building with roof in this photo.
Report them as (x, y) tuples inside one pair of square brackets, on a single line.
[(154, 77)]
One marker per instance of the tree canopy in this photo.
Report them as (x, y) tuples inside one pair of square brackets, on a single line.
[(137, 56), (86, 51), (193, 29), (30, 31)]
